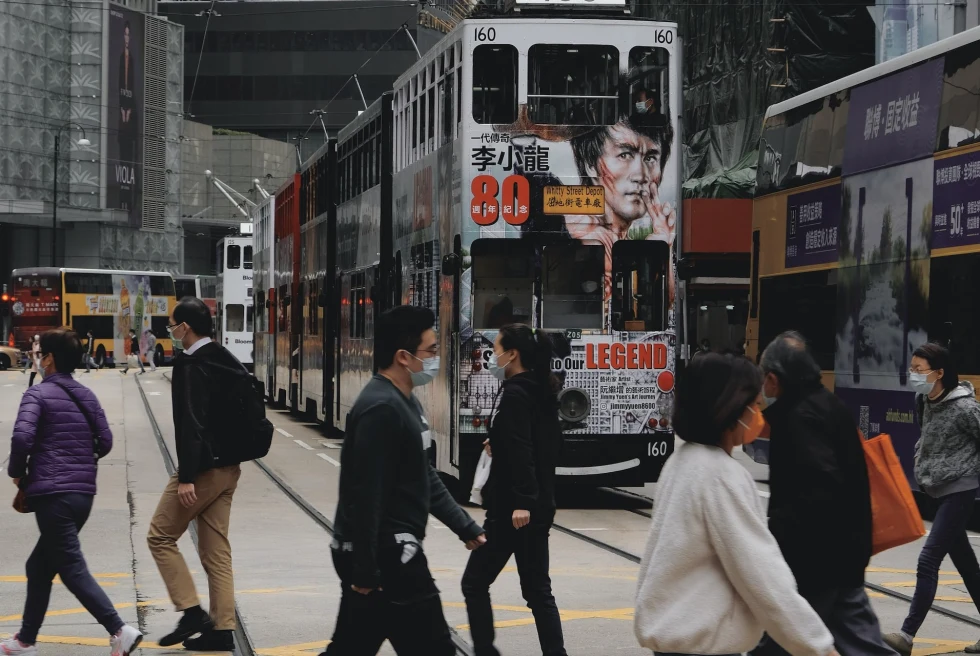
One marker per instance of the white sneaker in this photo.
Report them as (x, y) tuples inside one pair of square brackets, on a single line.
[(13, 646), (126, 641)]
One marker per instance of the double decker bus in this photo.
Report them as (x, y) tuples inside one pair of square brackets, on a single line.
[(235, 311), (109, 303), (513, 177), (866, 228)]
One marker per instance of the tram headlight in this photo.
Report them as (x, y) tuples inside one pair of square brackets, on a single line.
[(574, 405)]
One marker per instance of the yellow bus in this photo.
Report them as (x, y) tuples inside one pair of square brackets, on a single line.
[(109, 303), (866, 228)]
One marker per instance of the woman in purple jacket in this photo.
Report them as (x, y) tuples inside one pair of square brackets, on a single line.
[(60, 433)]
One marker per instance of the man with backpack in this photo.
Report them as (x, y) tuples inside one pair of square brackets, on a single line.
[(219, 422)]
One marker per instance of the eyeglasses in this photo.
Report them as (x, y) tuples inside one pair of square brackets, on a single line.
[(172, 327), (921, 371), (432, 351)]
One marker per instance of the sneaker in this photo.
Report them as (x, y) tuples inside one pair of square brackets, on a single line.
[(126, 641), (14, 646), (193, 621), (974, 648), (899, 643), (211, 641)]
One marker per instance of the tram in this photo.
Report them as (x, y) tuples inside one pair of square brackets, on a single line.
[(235, 310), (505, 178)]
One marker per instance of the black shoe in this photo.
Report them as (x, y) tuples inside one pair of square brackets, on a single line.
[(211, 641), (192, 622)]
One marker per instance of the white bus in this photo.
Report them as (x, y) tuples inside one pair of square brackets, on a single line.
[(235, 314)]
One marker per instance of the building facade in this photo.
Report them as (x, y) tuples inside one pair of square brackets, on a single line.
[(104, 81)]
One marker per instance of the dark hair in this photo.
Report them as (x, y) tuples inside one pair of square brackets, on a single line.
[(400, 329), (64, 345), (536, 348), (192, 311), (939, 357), (587, 148), (789, 359), (712, 393)]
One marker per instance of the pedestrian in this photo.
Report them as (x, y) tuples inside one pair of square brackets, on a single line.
[(519, 496), (89, 352), (134, 353), (149, 348), (820, 503), (712, 578), (947, 463), (203, 487), (59, 435), (387, 490), (34, 359)]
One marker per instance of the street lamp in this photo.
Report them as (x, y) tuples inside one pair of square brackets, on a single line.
[(54, 212)]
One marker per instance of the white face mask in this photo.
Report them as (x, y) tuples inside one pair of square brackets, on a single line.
[(920, 382), (499, 372), (641, 107), (430, 367)]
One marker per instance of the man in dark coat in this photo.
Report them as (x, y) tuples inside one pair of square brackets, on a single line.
[(820, 504)]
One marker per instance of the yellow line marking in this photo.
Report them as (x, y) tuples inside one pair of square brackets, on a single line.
[(57, 579), (892, 570), (911, 584), (83, 641), (301, 649), (938, 646)]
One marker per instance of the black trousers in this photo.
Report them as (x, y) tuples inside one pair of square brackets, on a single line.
[(407, 610), (529, 546)]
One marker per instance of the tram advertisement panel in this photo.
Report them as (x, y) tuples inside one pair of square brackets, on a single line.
[(956, 211), (571, 228)]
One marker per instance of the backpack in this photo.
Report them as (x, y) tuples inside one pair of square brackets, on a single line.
[(249, 433)]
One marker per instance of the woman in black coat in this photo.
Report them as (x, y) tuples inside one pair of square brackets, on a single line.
[(519, 496)]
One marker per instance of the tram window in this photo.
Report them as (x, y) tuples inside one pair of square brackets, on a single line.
[(572, 278), (446, 88), (263, 324), (639, 285), (432, 116), (248, 257), (282, 310), (183, 288), (503, 282), (234, 257), (422, 121), (648, 81), (804, 302), (249, 318), (221, 261), (161, 286), (495, 84), (573, 84), (235, 318)]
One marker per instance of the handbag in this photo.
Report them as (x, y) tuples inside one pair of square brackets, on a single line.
[(21, 503), (895, 517)]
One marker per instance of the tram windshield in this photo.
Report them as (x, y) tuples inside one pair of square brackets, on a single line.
[(572, 277), (573, 84)]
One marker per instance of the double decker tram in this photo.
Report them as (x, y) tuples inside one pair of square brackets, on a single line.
[(515, 177)]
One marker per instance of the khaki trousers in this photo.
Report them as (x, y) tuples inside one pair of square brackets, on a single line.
[(214, 489)]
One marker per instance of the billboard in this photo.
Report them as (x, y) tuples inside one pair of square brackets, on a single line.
[(124, 185)]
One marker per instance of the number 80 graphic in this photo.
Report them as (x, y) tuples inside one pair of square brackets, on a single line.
[(514, 204)]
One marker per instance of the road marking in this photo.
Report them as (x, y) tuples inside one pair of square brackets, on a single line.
[(303, 444), (154, 393), (279, 430), (911, 584), (332, 446), (9, 385), (328, 459), (588, 529)]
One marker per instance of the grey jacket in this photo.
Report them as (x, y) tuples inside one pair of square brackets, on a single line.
[(947, 455)]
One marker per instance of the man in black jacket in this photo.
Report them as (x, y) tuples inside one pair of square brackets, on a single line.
[(203, 486), (387, 490), (820, 504)]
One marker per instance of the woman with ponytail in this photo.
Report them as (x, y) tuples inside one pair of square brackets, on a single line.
[(519, 496)]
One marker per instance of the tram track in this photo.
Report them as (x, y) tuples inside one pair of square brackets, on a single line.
[(462, 647)]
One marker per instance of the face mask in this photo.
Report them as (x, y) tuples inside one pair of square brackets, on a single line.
[(494, 367), (753, 430), (769, 399), (641, 107), (177, 344), (430, 367), (920, 383)]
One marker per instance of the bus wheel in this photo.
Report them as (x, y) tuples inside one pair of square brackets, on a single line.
[(100, 356), (4, 362), (158, 356)]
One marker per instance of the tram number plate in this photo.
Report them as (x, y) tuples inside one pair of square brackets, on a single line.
[(663, 37), (573, 333), (657, 449), (484, 34)]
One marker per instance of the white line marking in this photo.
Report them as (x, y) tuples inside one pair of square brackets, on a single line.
[(328, 459), (154, 393), (588, 529), (332, 446), (303, 444), (279, 430), (9, 385)]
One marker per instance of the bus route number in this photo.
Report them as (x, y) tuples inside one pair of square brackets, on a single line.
[(663, 37), (481, 34), (657, 449)]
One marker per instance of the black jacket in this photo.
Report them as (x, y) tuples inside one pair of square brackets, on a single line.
[(201, 410), (525, 439), (820, 504), (387, 485)]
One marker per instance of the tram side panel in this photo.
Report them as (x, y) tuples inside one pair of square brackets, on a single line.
[(265, 296)]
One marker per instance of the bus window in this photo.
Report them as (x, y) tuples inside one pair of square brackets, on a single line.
[(101, 327), (959, 123), (249, 318), (804, 302), (639, 285), (234, 257), (235, 318), (161, 286), (572, 285), (573, 84), (648, 81), (503, 282), (495, 84), (248, 257), (952, 316), (88, 283)]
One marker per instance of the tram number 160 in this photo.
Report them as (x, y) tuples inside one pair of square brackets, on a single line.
[(657, 449)]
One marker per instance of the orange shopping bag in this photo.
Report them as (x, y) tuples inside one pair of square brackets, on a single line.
[(894, 516)]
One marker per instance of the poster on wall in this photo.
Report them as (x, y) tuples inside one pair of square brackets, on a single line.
[(125, 142), (956, 201), (812, 225)]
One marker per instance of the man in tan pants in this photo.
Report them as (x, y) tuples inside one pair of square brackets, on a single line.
[(203, 487)]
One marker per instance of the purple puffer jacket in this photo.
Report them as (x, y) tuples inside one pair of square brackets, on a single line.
[(52, 442)]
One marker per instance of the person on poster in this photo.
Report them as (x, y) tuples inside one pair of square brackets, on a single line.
[(127, 118)]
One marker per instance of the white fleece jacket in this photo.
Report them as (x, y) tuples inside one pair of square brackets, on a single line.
[(712, 577)]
